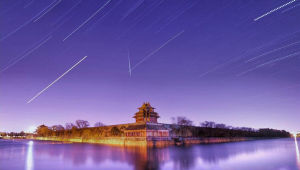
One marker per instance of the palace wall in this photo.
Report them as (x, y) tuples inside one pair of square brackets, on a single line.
[(142, 141)]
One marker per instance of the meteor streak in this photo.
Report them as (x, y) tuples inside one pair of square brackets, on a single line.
[(129, 67), (87, 20), (39, 93), (273, 10), (155, 51)]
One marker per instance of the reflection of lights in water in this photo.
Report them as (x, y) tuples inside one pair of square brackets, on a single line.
[(29, 157), (297, 149)]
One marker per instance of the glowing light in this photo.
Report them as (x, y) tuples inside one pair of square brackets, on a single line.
[(297, 150), (29, 156), (31, 129), (295, 134)]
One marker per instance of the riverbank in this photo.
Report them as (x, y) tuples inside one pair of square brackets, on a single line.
[(123, 141)]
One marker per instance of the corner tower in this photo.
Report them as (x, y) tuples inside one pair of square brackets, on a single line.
[(146, 114)]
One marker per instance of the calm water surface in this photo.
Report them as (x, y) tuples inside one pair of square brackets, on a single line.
[(281, 154)]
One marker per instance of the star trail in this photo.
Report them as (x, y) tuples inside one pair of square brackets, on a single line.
[(201, 59)]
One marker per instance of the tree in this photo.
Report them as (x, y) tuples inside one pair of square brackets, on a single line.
[(42, 130), (115, 131), (99, 124), (173, 119), (75, 132), (11, 134), (3, 133), (69, 126), (221, 126), (247, 129), (57, 128), (82, 124), (184, 121), (208, 124), (22, 133)]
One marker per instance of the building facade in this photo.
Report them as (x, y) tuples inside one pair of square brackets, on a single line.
[(147, 130), (145, 114), (146, 125)]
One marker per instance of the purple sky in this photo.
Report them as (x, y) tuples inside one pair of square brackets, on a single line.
[(206, 60)]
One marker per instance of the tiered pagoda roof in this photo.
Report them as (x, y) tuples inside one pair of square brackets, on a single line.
[(146, 113)]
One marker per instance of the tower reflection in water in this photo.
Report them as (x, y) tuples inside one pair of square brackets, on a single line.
[(29, 156), (214, 156)]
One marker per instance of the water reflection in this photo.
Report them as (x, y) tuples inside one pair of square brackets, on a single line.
[(29, 156), (276, 154), (81, 154), (297, 151)]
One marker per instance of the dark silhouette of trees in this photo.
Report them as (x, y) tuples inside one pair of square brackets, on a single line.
[(69, 126), (184, 121), (273, 132), (99, 124), (21, 134), (211, 124), (181, 128), (212, 129), (57, 127), (221, 126), (82, 124), (208, 124)]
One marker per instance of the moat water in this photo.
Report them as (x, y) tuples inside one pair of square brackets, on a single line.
[(275, 154)]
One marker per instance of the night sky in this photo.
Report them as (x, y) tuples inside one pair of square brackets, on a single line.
[(235, 62)]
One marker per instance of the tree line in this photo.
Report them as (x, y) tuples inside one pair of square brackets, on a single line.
[(13, 134), (79, 129), (181, 126)]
